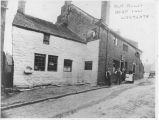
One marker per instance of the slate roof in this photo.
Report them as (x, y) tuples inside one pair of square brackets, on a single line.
[(117, 35), (35, 24), (125, 40)]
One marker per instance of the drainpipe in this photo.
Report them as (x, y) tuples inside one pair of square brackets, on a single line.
[(106, 60), (107, 50)]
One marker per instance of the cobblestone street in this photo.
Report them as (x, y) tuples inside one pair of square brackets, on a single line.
[(138, 102), (127, 100)]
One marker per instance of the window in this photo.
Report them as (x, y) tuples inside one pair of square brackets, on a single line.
[(126, 65), (46, 38), (116, 64), (52, 63), (115, 41), (125, 47), (39, 63), (137, 54), (88, 65), (121, 65), (67, 65), (134, 68)]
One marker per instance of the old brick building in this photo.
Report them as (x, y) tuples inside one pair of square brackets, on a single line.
[(77, 49)]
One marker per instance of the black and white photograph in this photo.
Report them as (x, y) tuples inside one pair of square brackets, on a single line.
[(79, 59)]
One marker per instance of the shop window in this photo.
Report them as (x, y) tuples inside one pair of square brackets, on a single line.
[(67, 65), (88, 65), (116, 64), (52, 63), (125, 47), (39, 62), (46, 39)]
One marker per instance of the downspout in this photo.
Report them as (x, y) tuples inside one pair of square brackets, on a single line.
[(106, 65), (107, 50)]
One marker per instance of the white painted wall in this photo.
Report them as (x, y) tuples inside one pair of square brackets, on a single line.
[(26, 43), (92, 55)]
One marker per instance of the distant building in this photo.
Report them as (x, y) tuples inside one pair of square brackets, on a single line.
[(77, 49)]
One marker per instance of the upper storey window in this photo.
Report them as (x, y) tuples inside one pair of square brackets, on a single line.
[(125, 47), (46, 39)]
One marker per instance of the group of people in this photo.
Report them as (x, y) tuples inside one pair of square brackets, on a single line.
[(119, 76)]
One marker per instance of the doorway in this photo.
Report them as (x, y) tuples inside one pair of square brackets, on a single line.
[(134, 68), (121, 65)]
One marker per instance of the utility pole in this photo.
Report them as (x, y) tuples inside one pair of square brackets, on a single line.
[(3, 19)]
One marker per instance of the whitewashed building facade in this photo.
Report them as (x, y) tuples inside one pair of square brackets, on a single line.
[(45, 53)]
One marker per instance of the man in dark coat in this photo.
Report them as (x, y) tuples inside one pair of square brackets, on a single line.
[(108, 74), (118, 76), (123, 75)]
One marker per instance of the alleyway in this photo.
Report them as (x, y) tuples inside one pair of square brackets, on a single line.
[(127, 100)]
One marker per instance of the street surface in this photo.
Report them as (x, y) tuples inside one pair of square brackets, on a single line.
[(138, 102), (121, 101)]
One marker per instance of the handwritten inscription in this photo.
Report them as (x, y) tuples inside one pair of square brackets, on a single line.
[(130, 11)]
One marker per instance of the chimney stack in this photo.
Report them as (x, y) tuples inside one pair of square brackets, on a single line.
[(105, 9), (21, 6), (68, 3)]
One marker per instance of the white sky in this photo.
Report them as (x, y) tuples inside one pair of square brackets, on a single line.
[(144, 31)]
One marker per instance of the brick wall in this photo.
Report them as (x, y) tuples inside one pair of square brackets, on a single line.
[(115, 52), (77, 20)]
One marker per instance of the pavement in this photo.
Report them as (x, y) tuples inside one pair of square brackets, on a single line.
[(43, 93)]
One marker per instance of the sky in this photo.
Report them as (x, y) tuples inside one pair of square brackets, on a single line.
[(124, 17)]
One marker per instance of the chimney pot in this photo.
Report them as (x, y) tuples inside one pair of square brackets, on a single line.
[(21, 6), (105, 11), (68, 2)]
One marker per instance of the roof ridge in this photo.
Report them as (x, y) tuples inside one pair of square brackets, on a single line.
[(123, 38), (35, 17), (44, 26)]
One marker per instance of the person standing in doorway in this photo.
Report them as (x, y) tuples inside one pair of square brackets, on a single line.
[(118, 76), (123, 75)]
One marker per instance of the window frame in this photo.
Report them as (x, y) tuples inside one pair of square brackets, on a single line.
[(64, 67), (116, 64), (88, 66), (137, 54), (36, 59), (55, 63), (46, 39)]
